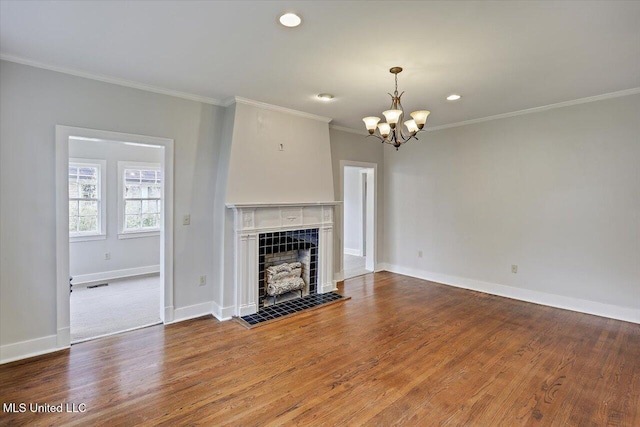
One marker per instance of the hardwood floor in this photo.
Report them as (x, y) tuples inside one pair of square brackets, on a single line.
[(402, 351)]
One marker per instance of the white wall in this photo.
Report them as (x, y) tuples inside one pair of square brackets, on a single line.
[(556, 193), (87, 257), (32, 102), (260, 172), (354, 147), (352, 209)]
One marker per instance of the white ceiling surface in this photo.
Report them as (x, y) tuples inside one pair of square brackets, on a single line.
[(501, 56)]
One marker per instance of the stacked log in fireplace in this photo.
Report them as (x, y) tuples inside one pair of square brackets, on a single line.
[(284, 278)]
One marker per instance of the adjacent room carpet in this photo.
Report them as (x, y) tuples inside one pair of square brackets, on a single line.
[(123, 305)]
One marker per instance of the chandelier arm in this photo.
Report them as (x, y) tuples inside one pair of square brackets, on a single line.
[(396, 135), (380, 138)]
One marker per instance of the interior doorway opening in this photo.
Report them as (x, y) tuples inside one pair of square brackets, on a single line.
[(114, 233), (359, 217), (115, 209)]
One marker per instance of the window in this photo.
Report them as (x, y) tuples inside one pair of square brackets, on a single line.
[(86, 199), (141, 197)]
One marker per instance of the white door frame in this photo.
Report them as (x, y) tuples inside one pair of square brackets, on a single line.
[(373, 263), (62, 220)]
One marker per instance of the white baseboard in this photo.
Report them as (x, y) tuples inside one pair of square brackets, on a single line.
[(338, 277), (191, 312), (349, 251), (248, 309), (102, 276), (626, 314), (222, 313), (168, 314), (63, 339), (328, 287), (60, 341), (29, 348)]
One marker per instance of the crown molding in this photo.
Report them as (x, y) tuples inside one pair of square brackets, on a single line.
[(236, 99), (239, 100), (618, 94), (112, 80), (350, 130)]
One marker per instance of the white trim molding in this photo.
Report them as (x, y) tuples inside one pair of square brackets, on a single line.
[(372, 257), (222, 313), (82, 279), (121, 167), (101, 234), (192, 311), (539, 109), (238, 100), (618, 94), (362, 132), (626, 314), (112, 80), (30, 348), (63, 134), (354, 252)]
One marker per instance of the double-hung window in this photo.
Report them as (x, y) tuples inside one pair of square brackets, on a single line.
[(140, 188), (87, 204)]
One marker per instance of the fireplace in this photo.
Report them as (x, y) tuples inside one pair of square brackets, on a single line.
[(282, 247), (272, 234)]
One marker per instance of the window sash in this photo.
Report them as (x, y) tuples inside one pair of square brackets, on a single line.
[(134, 180), (90, 175)]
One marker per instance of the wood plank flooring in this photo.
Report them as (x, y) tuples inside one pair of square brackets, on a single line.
[(402, 351)]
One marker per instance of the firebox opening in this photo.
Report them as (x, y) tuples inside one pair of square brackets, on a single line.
[(292, 254)]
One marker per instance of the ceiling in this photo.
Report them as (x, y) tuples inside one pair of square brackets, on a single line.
[(500, 56)]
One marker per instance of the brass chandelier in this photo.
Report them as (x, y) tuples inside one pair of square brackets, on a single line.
[(392, 132)]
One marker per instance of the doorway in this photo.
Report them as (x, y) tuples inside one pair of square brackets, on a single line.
[(358, 218), (114, 232)]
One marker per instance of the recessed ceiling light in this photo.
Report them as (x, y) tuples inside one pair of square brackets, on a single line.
[(325, 97), (453, 97), (290, 20)]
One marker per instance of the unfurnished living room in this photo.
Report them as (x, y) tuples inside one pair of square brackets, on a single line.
[(321, 213)]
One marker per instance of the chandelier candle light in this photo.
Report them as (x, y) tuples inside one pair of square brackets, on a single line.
[(390, 132)]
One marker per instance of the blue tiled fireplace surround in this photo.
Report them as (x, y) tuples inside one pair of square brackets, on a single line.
[(284, 241)]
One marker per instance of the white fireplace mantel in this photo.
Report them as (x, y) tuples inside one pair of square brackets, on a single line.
[(252, 219)]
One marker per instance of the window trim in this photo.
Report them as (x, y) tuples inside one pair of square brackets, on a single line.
[(101, 164), (122, 234)]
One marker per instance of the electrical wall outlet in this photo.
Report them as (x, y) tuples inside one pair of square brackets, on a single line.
[(419, 254), (186, 220), (107, 256), (203, 280), (514, 269)]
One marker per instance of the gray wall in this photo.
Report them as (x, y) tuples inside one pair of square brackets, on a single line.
[(556, 193), (260, 172), (32, 103)]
